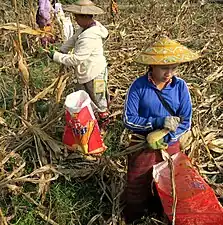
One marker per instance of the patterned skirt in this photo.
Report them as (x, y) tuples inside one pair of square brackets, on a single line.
[(140, 194)]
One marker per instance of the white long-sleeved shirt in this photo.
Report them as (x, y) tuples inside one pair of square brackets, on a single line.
[(88, 55)]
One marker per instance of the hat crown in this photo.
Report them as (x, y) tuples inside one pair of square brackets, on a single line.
[(166, 51), (85, 7), (84, 3)]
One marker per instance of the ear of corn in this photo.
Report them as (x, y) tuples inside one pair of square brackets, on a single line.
[(156, 135)]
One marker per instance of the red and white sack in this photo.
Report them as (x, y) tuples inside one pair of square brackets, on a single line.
[(82, 131), (196, 201)]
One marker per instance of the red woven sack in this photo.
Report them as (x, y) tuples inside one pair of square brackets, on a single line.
[(196, 201)]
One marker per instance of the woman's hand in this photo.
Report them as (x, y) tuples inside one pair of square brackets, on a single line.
[(50, 51), (171, 123)]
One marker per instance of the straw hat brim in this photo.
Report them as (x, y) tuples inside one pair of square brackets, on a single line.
[(165, 59), (84, 10)]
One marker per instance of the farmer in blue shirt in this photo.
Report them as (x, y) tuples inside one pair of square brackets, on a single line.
[(156, 100)]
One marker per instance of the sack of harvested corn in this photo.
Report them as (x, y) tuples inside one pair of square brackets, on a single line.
[(196, 201), (82, 131)]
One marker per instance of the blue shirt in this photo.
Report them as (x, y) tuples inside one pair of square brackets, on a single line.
[(143, 111)]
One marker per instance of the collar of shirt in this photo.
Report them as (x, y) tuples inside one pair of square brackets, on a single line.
[(150, 79), (91, 25)]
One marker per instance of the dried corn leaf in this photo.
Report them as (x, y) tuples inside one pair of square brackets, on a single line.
[(2, 111), (195, 131), (185, 140), (217, 74), (216, 145), (208, 172), (3, 122), (2, 218), (77, 173), (49, 142), (41, 154), (217, 142), (7, 157), (60, 88), (33, 180), (9, 177), (60, 81), (219, 158), (24, 70), (208, 130), (196, 91), (43, 93), (14, 188), (215, 149), (46, 218), (194, 149), (43, 169), (114, 6), (209, 137), (21, 63), (24, 29), (44, 187)]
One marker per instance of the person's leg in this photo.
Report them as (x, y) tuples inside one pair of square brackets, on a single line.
[(97, 89), (100, 91), (138, 191), (89, 88)]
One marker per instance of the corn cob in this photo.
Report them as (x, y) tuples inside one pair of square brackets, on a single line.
[(156, 135)]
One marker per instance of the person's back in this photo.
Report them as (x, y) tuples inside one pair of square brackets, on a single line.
[(88, 49), (84, 51)]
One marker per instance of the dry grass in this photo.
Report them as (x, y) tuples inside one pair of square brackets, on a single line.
[(31, 115)]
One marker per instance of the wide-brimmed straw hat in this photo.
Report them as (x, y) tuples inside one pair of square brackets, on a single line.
[(166, 51), (85, 7)]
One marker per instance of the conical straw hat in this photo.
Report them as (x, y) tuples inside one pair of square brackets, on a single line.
[(164, 52), (85, 7)]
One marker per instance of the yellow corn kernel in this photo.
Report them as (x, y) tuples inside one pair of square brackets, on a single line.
[(156, 135)]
